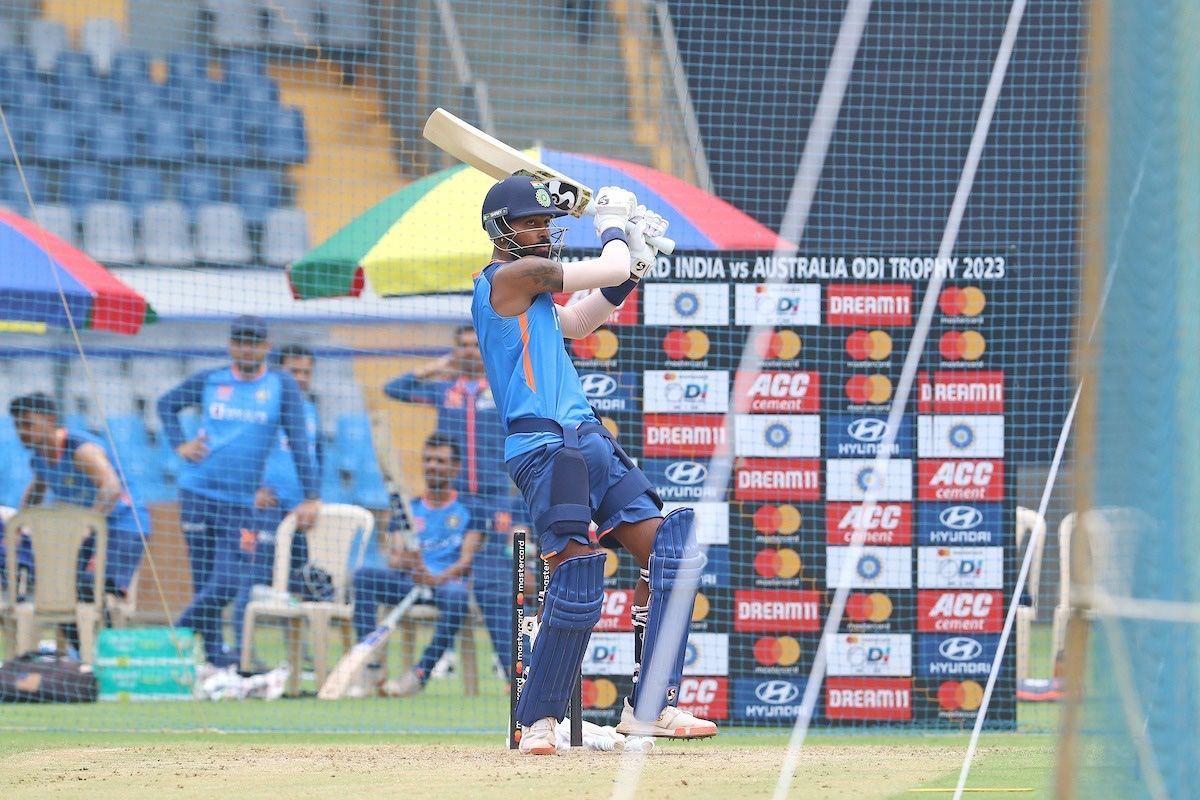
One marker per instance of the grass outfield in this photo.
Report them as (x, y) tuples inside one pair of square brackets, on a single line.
[(207, 765)]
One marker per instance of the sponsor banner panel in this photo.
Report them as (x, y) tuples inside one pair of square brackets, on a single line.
[(683, 434), (615, 613), (773, 653), (603, 697), (882, 305), (767, 699), (697, 391), (609, 392), (777, 610), (777, 392), (862, 436), (883, 523), (686, 304), (782, 304), (960, 480), (716, 573), (870, 654), (979, 524), (609, 654), (681, 479), (706, 696), (849, 479), (959, 656), (712, 611), (777, 435), (960, 567), (959, 611), (772, 563), (869, 698), (706, 654), (878, 611), (960, 392), (778, 521), (874, 568), (947, 436), (712, 520), (788, 479)]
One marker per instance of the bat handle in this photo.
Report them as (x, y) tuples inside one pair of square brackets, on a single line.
[(664, 244)]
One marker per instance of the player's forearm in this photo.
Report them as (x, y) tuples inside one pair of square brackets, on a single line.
[(580, 319), (610, 269), (106, 497)]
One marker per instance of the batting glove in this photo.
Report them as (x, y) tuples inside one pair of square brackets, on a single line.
[(642, 254), (614, 206)]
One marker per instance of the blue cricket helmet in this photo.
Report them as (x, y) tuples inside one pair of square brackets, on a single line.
[(516, 197)]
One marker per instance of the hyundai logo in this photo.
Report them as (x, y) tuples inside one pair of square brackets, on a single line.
[(597, 384), (777, 692), (960, 648), (686, 473), (961, 518), (867, 429)]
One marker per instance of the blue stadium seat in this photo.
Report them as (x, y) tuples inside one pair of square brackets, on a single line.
[(220, 137), (354, 453), (17, 474), (196, 186), (31, 95), (24, 124), (84, 182), (333, 488), (142, 100), (139, 185), (257, 191), (138, 458), (55, 141), (244, 64), (165, 137), (16, 68), (286, 142), (186, 66), (12, 193), (109, 140), (131, 70), (73, 80)]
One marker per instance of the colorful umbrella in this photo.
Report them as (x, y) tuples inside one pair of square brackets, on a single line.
[(427, 237), (41, 277)]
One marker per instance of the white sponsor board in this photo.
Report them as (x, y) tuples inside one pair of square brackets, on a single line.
[(953, 436), (875, 568), (712, 520), (697, 391), (706, 654), (777, 304), (781, 435), (609, 654), (869, 654), (849, 479), (686, 304), (960, 567)]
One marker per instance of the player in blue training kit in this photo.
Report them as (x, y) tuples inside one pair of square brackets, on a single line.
[(78, 468), (441, 556), (570, 469), (243, 406)]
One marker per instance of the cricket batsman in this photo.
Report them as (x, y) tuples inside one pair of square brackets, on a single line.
[(569, 468)]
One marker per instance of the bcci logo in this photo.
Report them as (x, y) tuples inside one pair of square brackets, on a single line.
[(542, 197)]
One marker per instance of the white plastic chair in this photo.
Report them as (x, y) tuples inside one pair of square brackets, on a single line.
[(221, 235), (1029, 522), (58, 219), (285, 237), (166, 239), (47, 38), (108, 232), (101, 38)]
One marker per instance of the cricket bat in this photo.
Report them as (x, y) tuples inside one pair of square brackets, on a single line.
[(493, 157), (356, 658)]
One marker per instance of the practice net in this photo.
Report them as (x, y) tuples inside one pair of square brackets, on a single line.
[(189, 184)]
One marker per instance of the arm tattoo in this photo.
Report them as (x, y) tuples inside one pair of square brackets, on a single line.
[(547, 276)]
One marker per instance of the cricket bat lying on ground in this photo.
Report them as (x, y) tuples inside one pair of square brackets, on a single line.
[(344, 674), (493, 157)]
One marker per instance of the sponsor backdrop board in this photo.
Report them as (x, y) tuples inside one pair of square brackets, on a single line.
[(928, 591)]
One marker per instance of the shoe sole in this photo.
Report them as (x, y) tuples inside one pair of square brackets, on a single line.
[(678, 733), (544, 750)]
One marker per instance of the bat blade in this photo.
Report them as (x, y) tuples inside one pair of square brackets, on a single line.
[(338, 684)]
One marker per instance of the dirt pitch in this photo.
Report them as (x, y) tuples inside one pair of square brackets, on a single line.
[(430, 772)]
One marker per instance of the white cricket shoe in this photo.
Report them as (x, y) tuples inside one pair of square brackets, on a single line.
[(672, 723), (540, 738), (408, 684), (445, 666), (369, 683)]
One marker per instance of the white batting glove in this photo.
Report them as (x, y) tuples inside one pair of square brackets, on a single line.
[(642, 254), (655, 225), (614, 206)]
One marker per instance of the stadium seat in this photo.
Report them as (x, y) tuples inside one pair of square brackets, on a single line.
[(73, 81), (142, 100), (101, 39), (165, 138), (235, 23), (55, 141), (16, 68), (257, 191), (31, 95), (84, 182), (286, 142), (47, 38), (8, 34), (108, 232), (166, 235), (219, 135), (242, 65), (221, 238), (12, 190), (15, 478), (196, 186), (349, 24), (292, 23), (139, 185), (59, 220), (285, 237), (131, 67), (354, 453), (109, 140)]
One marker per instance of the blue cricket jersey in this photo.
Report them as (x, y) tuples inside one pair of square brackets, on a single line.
[(280, 474), (70, 484), (440, 531), (528, 367), (241, 419)]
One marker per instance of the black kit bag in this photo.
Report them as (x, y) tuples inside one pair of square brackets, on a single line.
[(47, 678)]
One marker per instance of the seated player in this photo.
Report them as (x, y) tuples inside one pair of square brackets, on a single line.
[(444, 547)]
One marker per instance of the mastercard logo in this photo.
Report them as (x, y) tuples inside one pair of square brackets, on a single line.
[(783, 519), (777, 563), (968, 301), (960, 695), (783, 345), (776, 651), (692, 345), (874, 389), (962, 345), (873, 607), (611, 562), (873, 345), (598, 693), (611, 425), (701, 607), (602, 345)]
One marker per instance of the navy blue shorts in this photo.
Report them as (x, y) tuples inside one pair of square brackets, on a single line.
[(532, 472)]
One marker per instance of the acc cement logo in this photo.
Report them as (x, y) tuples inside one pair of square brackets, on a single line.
[(961, 518), (867, 429), (777, 693), (960, 648), (597, 384), (686, 473)]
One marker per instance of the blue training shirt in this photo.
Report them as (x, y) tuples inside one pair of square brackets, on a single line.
[(70, 484), (280, 474), (440, 531), (240, 419), (528, 367)]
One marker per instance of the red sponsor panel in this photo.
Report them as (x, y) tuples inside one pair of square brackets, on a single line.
[(868, 698), (614, 614), (885, 523), (625, 315), (784, 479), (868, 304), (776, 610), (778, 392), (683, 434), (960, 392), (705, 697), (960, 480), (959, 611)]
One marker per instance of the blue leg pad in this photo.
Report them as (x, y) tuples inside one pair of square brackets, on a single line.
[(675, 563), (573, 601)]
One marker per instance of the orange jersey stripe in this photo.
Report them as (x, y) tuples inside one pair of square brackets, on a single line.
[(523, 320)]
